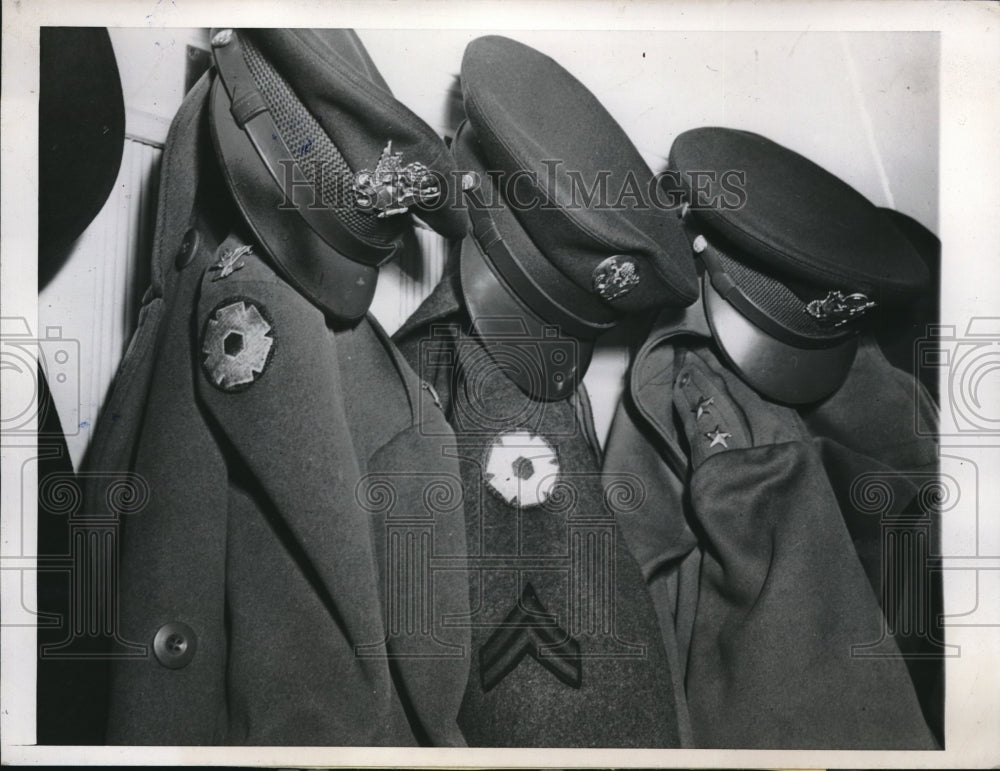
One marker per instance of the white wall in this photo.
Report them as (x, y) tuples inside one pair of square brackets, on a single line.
[(94, 298)]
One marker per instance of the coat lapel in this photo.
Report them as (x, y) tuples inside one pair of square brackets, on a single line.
[(287, 425)]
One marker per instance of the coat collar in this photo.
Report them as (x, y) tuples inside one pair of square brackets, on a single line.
[(651, 377), (444, 302)]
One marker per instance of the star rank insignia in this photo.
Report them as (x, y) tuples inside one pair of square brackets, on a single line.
[(701, 408), (231, 261), (393, 188), (718, 437), (237, 345), (521, 468)]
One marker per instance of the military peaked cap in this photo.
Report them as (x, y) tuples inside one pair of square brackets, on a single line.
[(566, 225), (795, 258), (323, 160)]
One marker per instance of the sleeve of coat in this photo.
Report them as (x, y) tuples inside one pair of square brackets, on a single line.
[(172, 560), (782, 597), (874, 436)]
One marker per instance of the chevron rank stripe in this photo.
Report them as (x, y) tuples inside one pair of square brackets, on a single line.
[(529, 629)]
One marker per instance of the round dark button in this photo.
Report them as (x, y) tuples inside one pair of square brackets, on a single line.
[(174, 645), (189, 248)]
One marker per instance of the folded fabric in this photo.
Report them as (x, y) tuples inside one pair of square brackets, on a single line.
[(782, 596)]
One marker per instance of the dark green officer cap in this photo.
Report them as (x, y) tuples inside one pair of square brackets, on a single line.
[(567, 233), (546, 138), (795, 259), (324, 161), (542, 343)]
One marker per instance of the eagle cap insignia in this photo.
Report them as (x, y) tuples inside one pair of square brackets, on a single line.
[(392, 188), (836, 310), (615, 277)]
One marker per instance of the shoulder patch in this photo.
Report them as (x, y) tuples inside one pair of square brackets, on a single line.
[(520, 467), (237, 344)]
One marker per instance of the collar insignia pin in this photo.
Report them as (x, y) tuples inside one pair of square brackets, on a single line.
[(718, 437), (433, 394), (231, 261), (222, 38), (702, 407)]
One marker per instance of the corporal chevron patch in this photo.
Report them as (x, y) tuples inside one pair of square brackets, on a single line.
[(530, 630)]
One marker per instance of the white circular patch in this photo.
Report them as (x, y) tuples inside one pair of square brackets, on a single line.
[(521, 467)]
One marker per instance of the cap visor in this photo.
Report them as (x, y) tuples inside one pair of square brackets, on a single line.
[(338, 285), (544, 362), (549, 293), (781, 372)]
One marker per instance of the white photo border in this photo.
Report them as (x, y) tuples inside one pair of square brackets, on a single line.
[(969, 229)]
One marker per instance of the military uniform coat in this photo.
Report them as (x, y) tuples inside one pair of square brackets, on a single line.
[(565, 646), (763, 561), (283, 460)]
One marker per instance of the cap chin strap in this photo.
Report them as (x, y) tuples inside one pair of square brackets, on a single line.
[(731, 292), (250, 111)]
